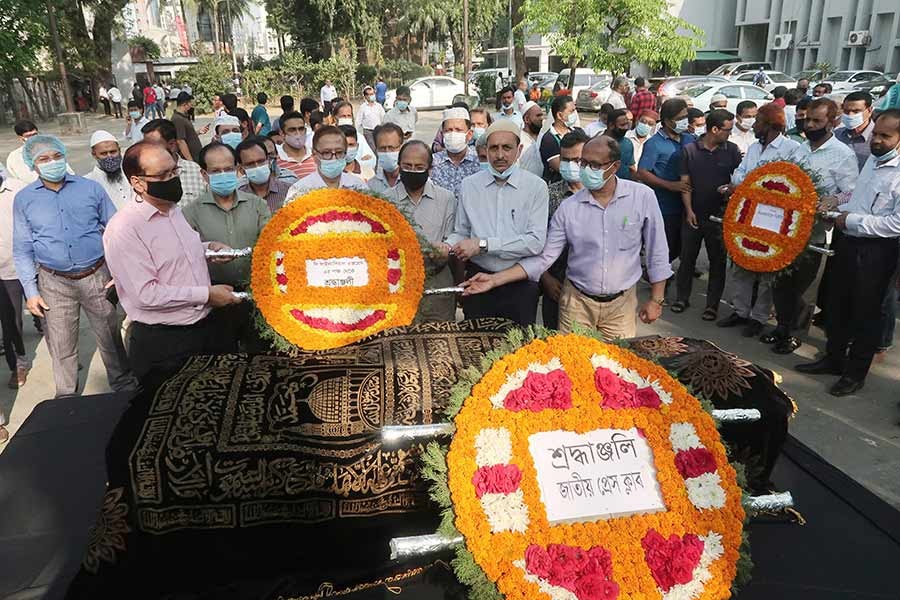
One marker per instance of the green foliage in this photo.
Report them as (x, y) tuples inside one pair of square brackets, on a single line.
[(611, 34), (399, 71), (151, 48), (469, 573), (210, 76), (487, 91), (23, 35), (826, 67), (365, 75)]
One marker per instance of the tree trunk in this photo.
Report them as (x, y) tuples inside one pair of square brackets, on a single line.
[(33, 105), (217, 34), (518, 39)]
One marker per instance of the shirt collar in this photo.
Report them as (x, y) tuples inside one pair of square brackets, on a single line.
[(443, 156), (208, 198), (147, 210), (894, 162), (831, 142), (514, 180), (67, 179), (776, 143)]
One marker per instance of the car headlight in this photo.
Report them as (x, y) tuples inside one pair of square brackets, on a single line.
[(877, 89)]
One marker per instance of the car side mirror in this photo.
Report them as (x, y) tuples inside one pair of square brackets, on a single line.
[(769, 97)]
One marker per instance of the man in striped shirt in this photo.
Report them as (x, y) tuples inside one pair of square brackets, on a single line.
[(292, 154)]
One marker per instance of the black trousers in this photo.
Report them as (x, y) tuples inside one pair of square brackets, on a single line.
[(105, 104), (672, 225), (788, 290), (117, 108), (710, 235), (163, 349), (515, 301), (862, 271), (11, 321)]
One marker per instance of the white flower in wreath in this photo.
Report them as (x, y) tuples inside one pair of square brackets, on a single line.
[(493, 447), (705, 491)]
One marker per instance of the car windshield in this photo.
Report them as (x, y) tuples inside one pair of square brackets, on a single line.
[(780, 78), (841, 76), (583, 79), (696, 91), (806, 75)]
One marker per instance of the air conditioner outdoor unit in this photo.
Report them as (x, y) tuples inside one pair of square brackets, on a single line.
[(782, 41), (859, 38)]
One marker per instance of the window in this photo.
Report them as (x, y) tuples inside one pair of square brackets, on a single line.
[(732, 91), (696, 91), (780, 78), (747, 77), (441, 82), (582, 79), (752, 93), (419, 85)]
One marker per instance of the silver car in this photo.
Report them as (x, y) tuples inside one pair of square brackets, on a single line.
[(592, 98)]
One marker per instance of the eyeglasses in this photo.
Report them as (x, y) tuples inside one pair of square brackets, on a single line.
[(595, 166), (166, 176), (329, 155)]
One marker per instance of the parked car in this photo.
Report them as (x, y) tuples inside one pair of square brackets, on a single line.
[(814, 76), (538, 77), (674, 86), (735, 92), (584, 78), (592, 98), (734, 68), (847, 80), (877, 87), (435, 91), (474, 75), (776, 78)]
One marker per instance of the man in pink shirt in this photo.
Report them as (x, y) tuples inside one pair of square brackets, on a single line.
[(159, 266)]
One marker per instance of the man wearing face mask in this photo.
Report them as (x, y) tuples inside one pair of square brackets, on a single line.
[(403, 114), (234, 218), (433, 209), (262, 173), (501, 219), (330, 154), (602, 270), (369, 115), (865, 261), (160, 270), (797, 133), (134, 122), (163, 132), (645, 127), (742, 134), (618, 127), (58, 222), (857, 125), (564, 119), (292, 154), (228, 131), (531, 139), (660, 168), (507, 107), (388, 140), (108, 170), (458, 160)]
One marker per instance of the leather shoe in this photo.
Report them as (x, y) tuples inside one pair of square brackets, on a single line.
[(752, 328), (786, 345), (731, 320), (846, 386), (823, 366), (774, 336)]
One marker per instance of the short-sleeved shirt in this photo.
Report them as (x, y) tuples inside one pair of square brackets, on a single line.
[(626, 149), (858, 142), (709, 170), (549, 150), (261, 115), (662, 157), (380, 91), (184, 130)]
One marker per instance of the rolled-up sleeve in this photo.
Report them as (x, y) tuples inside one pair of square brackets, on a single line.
[(535, 266), (654, 234)]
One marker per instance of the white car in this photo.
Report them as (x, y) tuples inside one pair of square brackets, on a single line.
[(435, 91), (735, 92), (776, 78), (584, 79), (846, 80)]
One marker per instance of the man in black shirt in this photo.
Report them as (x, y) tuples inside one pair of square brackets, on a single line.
[(706, 165)]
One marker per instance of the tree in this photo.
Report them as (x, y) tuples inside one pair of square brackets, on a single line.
[(150, 48), (209, 77), (611, 34), (23, 34)]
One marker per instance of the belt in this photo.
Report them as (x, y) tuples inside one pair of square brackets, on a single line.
[(602, 299), (78, 274)]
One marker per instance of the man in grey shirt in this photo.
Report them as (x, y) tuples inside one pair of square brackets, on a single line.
[(501, 219)]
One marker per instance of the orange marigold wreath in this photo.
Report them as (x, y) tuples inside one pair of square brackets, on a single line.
[(336, 266), (784, 193)]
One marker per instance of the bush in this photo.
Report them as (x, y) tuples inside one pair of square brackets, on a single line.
[(295, 74), (399, 71), (365, 75), (209, 77), (150, 48), (486, 83)]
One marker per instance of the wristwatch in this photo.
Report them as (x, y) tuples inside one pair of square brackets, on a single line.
[(482, 246), (661, 301)]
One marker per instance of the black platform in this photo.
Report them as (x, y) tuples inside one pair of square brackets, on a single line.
[(52, 481)]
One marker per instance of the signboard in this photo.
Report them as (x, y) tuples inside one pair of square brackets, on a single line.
[(768, 217), (337, 272)]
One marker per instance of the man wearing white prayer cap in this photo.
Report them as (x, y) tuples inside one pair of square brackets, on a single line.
[(108, 170), (501, 218), (533, 117), (458, 159), (228, 130), (718, 101)]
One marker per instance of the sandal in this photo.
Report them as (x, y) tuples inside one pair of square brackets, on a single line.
[(678, 306), (709, 314)]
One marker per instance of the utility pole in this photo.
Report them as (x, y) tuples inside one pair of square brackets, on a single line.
[(54, 33), (466, 45)]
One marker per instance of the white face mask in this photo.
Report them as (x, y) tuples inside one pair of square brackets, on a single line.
[(345, 121), (747, 123), (455, 141)]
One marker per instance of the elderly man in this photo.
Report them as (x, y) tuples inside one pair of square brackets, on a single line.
[(501, 219), (433, 209), (866, 257), (458, 160), (369, 115), (163, 132), (58, 252), (388, 140), (261, 172), (618, 89), (160, 270), (108, 170), (603, 270), (330, 155), (228, 131), (232, 217), (403, 114), (718, 101)]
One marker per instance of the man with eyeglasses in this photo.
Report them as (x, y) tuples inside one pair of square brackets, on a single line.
[(330, 154), (162, 132), (58, 222), (262, 172), (603, 226), (434, 211), (292, 154), (388, 140), (160, 270)]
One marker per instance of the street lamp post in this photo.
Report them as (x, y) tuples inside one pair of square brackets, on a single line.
[(466, 45)]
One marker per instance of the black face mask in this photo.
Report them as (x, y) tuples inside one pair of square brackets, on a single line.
[(535, 128), (800, 124), (814, 135), (169, 191), (617, 133), (413, 180)]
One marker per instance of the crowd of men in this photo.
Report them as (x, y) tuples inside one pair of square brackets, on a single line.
[(519, 205)]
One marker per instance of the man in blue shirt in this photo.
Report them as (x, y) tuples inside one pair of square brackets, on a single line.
[(660, 167), (260, 116), (58, 224), (380, 91)]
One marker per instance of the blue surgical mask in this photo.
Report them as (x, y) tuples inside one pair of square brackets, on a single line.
[(572, 119), (352, 151), (333, 167), (134, 115), (485, 165), (388, 161), (642, 130), (402, 105), (570, 170), (54, 171), (682, 125), (258, 174), (852, 121), (223, 184), (504, 175), (232, 138), (370, 98), (477, 132), (592, 179), (889, 155)]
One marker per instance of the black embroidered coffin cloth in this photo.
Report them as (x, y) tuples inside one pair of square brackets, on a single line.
[(253, 467)]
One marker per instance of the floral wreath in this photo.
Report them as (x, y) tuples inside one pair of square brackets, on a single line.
[(334, 267), (692, 547), (769, 218)]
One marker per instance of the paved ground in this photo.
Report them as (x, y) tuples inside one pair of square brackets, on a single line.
[(858, 434)]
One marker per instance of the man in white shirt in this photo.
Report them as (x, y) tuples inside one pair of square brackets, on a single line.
[(498, 82), (327, 95), (508, 108), (108, 169), (103, 95), (11, 295), (617, 95), (160, 99), (643, 129), (330, 154), (403, 114), (134, 122), (501, 218), (533, 119), (771, 145), (521, 96), (369, 115), (865, 261), (742, 134), (115, 96)]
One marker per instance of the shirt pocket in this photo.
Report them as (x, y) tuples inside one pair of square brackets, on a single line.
[(630, 235)]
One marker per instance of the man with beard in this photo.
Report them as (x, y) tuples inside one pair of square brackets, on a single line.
[(533, 115), (617, 128), (108, 170)]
